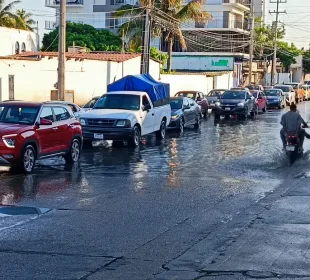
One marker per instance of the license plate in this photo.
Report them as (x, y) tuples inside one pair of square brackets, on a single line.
[(98, 136), (227, 109), (290, 148)]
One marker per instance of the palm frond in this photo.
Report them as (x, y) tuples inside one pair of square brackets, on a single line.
[(127, 10), (9, 7), (193, 11)]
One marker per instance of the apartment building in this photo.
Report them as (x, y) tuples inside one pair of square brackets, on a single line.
[(93, 12)]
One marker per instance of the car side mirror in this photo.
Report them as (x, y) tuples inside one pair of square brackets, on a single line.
[(45, 122), (147, 107)]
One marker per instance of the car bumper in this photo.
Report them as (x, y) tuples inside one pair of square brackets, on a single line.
[(174, 123), (8, 156), (108, 133), (232, 111)]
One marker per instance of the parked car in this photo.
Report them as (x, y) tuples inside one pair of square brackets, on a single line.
[(255, 87), (275, 98), (306, 89), (197, 97), (288, 92), (90, 104), (299, 92), (126, 115), (77, 110), (32, 131), (260, 100), (213, 96), (233, 102), (184, 112)]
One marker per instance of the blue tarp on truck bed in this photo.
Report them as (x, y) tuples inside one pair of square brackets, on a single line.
[(158, 92)]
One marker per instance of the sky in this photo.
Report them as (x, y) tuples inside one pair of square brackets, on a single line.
[(297, 19)]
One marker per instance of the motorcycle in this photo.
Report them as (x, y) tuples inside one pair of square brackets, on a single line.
[(293, 148)]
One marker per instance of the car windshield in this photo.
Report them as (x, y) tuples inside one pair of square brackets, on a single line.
[(18, 114), (215, 93), (272, 93), (191, 95), (283, 88), (119, 101), (234, 95), (253, 87), (294, 86), (91, 103), (176, 104)]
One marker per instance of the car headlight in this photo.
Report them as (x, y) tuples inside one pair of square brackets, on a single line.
[(9, 140), (175, 117), (240, 104), (82, 121), (123, 123), (217, 104)]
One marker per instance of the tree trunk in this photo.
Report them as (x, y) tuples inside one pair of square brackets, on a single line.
[(170, 45)]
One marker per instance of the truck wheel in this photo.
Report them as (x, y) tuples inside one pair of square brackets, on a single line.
[(135, 138), (28, 160), (161, 133)]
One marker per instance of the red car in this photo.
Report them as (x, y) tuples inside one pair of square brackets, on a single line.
[(199, 99), (31, 131), (260, 100)]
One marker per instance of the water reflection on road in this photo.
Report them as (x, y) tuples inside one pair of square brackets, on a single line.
[(223, 150)]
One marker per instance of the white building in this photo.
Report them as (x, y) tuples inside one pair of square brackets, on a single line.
[(96, 12), (32, 76), (15, 41)]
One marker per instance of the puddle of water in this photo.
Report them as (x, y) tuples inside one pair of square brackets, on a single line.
[(20, 210)]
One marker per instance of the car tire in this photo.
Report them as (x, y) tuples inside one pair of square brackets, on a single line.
[(161, 133), (181, 125), (135, 139), (197, 125), (74, 153), (28, 160)]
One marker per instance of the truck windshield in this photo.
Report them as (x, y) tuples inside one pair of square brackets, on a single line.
[(119, 101), (18, 114)]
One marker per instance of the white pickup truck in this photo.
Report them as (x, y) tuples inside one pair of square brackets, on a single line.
[(125, 116)]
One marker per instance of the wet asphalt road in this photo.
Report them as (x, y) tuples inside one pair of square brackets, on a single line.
[(127, 213)]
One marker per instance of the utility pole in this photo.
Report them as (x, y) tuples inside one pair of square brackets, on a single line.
[(146, 40), (251, 41), (277, 12), (62, 51)]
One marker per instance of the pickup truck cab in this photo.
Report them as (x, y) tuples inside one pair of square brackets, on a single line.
[(125, 116)]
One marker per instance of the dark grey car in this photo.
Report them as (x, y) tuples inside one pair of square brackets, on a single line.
[(213, 96), (184, 112)]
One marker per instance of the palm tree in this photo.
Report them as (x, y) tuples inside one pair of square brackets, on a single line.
[(24, 20), (167, 16), (7, 18)]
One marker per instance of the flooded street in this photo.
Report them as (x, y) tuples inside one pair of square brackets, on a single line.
[(125, 211)]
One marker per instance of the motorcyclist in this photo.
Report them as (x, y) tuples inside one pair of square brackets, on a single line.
[(291, 122)]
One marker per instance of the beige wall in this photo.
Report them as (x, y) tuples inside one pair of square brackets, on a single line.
[(34, 80)]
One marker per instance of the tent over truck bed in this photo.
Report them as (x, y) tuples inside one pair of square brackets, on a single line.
[(159, 93)]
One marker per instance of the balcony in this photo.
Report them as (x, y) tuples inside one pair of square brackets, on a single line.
[(50, 25), (71, 3), (240, 3)]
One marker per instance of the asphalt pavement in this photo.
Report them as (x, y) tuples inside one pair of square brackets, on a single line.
[(215, 203)]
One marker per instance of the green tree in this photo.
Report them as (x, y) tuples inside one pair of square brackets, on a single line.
[(167, 17), (7, 18), (84, 35), (287, 53), (306, 61), (24, 20)]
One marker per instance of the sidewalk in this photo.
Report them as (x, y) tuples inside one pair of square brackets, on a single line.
[(271, 241)]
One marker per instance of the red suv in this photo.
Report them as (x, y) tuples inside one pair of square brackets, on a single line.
[(31, 131)]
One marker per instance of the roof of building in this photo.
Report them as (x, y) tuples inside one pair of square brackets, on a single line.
[(113, 56)]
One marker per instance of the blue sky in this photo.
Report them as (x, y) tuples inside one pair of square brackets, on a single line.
[(297, 19)]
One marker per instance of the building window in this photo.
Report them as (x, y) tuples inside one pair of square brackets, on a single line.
[(17, 48), (23, 47)]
